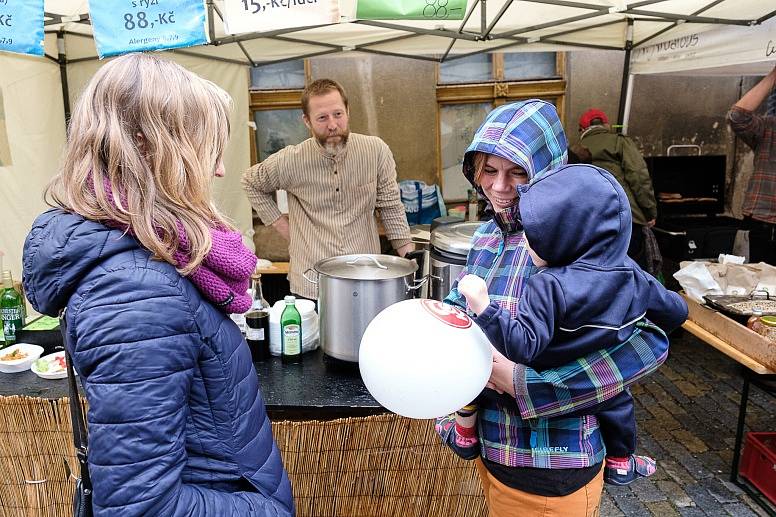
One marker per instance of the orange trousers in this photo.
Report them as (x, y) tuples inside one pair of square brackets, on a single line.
[(504, 501)]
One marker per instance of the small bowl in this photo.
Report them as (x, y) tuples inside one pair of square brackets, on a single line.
[(59, 374), (20, 365)]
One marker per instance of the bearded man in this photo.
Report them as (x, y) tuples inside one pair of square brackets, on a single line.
[(336, 181)]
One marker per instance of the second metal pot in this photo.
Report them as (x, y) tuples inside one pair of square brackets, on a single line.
[(352, 290), (450, 246)]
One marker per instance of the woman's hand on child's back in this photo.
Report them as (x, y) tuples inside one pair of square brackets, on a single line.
[(475, 290)]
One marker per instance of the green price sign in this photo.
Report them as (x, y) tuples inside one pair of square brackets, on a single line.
[(411, 9)]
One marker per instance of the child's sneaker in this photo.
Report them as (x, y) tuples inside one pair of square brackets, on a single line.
[(622, 471)]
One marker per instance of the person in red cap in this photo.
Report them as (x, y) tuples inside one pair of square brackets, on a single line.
[(619, 155)]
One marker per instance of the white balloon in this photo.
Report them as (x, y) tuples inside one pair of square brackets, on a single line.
[(424, 359)]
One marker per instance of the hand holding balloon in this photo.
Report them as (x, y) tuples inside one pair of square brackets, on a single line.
[(474, 289)]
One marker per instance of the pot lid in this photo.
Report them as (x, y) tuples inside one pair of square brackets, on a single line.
[(366, 267), (455, 238)]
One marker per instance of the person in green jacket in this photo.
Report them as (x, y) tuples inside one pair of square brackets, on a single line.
[(619, 155)]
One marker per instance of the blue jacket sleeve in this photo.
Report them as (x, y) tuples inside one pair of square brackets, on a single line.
[(666, 308), (136, 348), (578, 387), (523, 337)]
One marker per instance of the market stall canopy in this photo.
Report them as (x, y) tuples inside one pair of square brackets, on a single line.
[(517, 25), (35, 93)]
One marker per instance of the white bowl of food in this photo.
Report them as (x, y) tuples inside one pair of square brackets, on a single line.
[(19, 357), (50, 366)]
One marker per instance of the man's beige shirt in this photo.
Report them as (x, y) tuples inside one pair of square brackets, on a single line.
[(332, 201)]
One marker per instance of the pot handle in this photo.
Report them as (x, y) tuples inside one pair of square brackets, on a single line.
[(366, 257), (308, 279), (419, 284)]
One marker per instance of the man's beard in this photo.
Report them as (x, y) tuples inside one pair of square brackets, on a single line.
[(333, 145)]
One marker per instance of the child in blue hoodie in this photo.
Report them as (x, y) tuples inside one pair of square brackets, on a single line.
[(588, 296)]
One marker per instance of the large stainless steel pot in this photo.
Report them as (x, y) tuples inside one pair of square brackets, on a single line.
[(352, 290), (450, 246)]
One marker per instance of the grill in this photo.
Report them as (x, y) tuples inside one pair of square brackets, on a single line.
[(690, 194)]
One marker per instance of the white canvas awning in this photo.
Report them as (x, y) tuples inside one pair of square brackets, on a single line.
[(725, 50), (34, 96), (517, 25)]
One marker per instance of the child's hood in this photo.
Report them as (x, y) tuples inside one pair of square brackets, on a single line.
[(577, 213)]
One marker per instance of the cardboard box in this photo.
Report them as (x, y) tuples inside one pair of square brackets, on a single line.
[(738, 336)]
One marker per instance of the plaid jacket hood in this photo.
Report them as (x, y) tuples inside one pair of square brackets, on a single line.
[(528, 133)]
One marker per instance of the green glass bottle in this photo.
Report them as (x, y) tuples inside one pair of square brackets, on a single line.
[(11, 311), (291, 332)]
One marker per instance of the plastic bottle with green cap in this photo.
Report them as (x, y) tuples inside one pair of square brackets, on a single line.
[(290, 332)]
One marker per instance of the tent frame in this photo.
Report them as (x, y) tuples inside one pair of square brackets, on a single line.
[(513, 38)]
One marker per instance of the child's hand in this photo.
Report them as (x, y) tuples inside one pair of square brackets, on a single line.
[(474, 289)]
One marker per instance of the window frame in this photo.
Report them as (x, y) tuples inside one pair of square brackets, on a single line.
[(275, 99), (498, 92)]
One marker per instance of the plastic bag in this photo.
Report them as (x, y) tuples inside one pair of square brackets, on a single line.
[(422, 203)]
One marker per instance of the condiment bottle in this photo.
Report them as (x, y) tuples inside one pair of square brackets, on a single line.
[(290, 332), (754, 322), (11, 311)]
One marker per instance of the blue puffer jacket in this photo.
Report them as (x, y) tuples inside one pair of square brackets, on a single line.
[(176, 422)]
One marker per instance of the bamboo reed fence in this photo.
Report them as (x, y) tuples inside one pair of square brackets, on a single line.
[(383, 465)]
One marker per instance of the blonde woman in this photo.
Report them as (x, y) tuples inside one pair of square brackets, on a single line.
[(149, 270)]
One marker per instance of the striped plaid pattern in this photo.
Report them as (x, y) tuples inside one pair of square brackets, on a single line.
[(593, 379), (501, 259), (499, 255), (527, 133), (759, 133), (550, 443), (530, 135)]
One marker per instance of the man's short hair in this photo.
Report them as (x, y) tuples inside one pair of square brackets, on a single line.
[(321, 87)]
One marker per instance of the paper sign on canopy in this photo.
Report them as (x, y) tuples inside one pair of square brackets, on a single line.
[(411, 9), (21, 26), (122, 26), (267, 15)]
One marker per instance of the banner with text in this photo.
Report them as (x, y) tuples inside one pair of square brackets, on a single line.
[(122, 26), (266, 15), (411, 9), (21, 26)]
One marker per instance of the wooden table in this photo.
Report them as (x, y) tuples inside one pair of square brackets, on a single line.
[(753, 372)]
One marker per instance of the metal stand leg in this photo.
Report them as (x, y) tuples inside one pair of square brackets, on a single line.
[(740, 428)]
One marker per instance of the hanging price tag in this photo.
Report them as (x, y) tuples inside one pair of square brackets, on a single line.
[(411, 9), (21, 26), (122, 26), (266, 15)]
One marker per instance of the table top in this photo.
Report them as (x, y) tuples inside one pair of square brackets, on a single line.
[(317, 388), (735, 354)]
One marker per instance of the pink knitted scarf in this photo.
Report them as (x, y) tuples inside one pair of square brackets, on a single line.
[(224, 275)]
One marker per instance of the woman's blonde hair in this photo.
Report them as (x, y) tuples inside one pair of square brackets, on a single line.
[(158, 179), (478, 161)]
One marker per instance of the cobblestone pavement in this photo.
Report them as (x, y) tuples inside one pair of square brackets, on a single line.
[(687, 414)]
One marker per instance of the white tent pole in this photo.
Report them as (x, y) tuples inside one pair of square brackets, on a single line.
[(628, 99), (624, 86)]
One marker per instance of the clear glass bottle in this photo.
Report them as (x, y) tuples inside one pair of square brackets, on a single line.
[(290, 332), (257, 324), (259, 303), (11, 311)]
